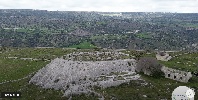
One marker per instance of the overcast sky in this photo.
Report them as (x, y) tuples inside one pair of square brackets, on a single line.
[(184, 6)]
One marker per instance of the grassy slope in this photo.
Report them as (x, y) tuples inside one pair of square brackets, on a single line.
[(18, 68), (158, 90), (12, 69), (183, 61), (84, 45), (49, 53), (33, 92), (155, 90)]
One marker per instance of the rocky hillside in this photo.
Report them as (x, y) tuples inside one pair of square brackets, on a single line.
[(75, 77)]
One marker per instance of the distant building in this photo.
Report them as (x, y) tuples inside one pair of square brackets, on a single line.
[(163, 56)]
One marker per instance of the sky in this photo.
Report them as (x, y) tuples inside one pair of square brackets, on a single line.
[(179, 6)]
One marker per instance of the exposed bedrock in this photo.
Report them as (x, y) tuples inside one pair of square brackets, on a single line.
[(76, 77)]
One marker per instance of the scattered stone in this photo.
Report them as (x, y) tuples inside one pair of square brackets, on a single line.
[(95, 56), (145, 96)]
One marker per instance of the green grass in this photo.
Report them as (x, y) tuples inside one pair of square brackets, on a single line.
[(12, 69), (32, 30), (108, 37), (157, 89), (189, 25), (8, 30), (48, 53), (22, 30), (183, 61), (32, 92), (84, 45), (144, 35)]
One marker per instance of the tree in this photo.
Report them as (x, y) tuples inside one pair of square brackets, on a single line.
[(149, 66), (78, 47), (138, 55)]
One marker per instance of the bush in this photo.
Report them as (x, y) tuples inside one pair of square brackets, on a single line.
[(78, 47), (158, 74), (97, 49), (149, 66)]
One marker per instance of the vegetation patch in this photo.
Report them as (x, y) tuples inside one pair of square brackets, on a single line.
[(12, 69), (144, 35), (153, 88), (109, 37), (193, 25), (84, 45), (183, 61)]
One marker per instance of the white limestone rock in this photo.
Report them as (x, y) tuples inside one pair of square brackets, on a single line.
[(76, 77)]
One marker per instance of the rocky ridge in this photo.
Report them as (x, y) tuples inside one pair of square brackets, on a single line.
[(76, 77)]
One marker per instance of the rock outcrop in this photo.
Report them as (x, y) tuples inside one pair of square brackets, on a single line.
[(76, 77)]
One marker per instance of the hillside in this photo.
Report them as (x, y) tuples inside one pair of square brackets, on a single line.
[(21, 64), (61, 55), (132, 30)]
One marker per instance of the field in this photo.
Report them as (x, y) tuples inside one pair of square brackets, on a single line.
[(17, 63), (151, 89), (189, 25), (183, 61), (144, 35), (155, 89), (109, 37), (83, 45), (186, 61), (12, 69), (32, 30)]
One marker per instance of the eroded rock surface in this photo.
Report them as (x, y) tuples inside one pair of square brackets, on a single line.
[(77, 77)]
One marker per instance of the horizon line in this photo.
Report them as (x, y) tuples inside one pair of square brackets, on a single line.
[(94, 11)]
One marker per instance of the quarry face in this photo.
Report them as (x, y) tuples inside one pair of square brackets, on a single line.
[(76, 77)]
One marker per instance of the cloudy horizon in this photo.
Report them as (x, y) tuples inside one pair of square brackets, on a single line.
[(179, 6)]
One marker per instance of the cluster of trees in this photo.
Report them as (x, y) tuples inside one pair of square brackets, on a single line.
[(149, 66), (32, 28)]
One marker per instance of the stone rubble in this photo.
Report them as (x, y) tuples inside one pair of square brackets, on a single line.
[(165, 57), (96, 56)]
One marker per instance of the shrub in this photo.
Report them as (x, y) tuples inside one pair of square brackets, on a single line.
[(78, 47), (149, 66)]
